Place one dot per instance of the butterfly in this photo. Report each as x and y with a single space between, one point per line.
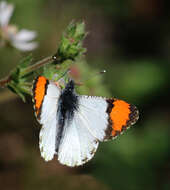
73 125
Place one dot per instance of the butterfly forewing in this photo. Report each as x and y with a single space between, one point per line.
121 116
47 116
93 111
106 118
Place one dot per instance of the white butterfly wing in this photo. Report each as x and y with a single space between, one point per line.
49 122
81 136
77 145
93 110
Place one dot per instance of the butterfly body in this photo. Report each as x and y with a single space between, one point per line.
68 103
73 125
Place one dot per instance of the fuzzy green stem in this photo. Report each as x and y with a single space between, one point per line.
37 65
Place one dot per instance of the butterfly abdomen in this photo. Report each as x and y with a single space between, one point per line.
67 105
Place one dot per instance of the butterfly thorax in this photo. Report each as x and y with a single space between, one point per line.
68 104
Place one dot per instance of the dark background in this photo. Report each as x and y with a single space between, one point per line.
131 41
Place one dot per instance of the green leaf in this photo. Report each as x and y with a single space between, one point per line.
19 77
18 72
14 88
71 43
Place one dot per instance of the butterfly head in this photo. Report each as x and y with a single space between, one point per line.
70 86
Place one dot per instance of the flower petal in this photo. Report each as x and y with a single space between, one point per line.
25 35
6 11
25 46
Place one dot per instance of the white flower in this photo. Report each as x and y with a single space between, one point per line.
22 39
6 11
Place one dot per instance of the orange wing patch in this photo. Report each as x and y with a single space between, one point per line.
122 115
119 114
39 91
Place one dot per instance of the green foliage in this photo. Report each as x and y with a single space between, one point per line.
68 51
71 42
18 78
54 72
19 72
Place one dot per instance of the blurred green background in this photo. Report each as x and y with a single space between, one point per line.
131 41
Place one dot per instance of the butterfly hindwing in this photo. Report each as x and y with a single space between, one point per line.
77 145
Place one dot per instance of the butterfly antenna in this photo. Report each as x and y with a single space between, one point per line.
92 76
65 73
